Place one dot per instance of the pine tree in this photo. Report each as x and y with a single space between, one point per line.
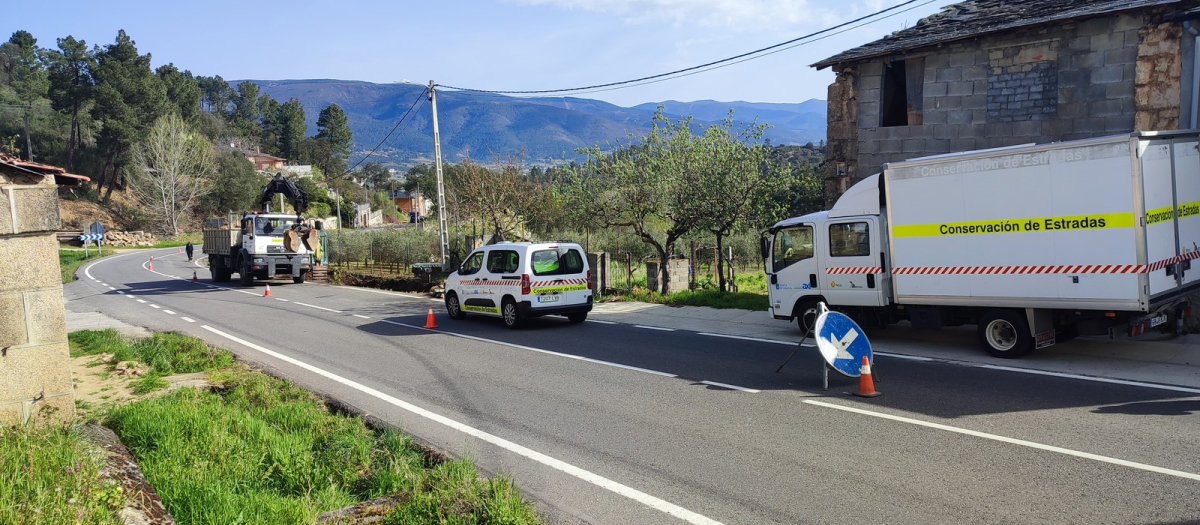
71 84
129 98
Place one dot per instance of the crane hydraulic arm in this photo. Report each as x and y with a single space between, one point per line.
282 185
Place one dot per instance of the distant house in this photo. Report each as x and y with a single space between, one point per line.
409 203
299 171
992 73
262 161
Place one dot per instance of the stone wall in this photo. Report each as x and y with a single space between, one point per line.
1067 81
35 377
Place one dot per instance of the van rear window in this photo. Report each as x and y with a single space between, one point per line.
557 262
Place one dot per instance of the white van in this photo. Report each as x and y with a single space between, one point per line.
519 280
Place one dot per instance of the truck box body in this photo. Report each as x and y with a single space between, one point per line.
219 240
1098 224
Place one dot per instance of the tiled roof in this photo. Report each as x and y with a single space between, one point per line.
36 168
978 17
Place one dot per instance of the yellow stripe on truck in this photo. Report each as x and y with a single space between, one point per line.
556 289
484 309
1028 225
1186 209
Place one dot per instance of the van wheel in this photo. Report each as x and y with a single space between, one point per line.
806 315
453 309
1005 334
577 318
512 318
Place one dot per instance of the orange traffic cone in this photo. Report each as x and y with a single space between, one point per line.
194 279
866 387
429 323
179 250
268 292
150 265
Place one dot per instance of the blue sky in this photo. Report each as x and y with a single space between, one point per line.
487 44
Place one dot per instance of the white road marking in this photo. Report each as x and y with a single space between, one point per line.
319 307
141 301
1014 441
532 349
902 356
98 282
284 300
188 319
382 292
659 328
155 306
168 312
112 288
756 339
597 321
121 292
731 387
361 316
1092 378
567 468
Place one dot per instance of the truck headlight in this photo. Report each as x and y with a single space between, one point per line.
258 259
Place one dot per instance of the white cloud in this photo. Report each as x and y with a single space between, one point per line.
737 15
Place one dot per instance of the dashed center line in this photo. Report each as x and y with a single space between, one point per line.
284 300
659 328
120 292
188 319
155 306
597 321
168 312
731 387
141 301
361 316
319 307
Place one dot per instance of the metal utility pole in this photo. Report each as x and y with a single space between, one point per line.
443 233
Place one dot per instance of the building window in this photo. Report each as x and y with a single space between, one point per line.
900 102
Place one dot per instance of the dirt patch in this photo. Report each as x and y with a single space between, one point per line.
99 384
397 284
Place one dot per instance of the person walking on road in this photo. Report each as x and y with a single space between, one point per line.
189 250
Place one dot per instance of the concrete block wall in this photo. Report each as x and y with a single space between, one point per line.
35 376
1067 81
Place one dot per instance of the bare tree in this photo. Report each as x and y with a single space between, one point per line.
171 171
505 200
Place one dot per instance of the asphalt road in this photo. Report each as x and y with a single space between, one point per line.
612 423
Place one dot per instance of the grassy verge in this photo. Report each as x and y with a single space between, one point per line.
264 451
48 476
709 298
259 450
163 354
71 260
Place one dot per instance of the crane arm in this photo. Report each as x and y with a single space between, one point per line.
289 189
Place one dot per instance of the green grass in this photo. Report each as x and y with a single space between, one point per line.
265 451
709 298
164 354
48 476
71 260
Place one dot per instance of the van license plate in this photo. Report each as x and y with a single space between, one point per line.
1155 321
547 298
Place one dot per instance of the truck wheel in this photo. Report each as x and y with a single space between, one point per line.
577 318
247 278
807 312
453 309
299 279
1005 334
512 316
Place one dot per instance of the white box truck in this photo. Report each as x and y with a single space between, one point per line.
1034 244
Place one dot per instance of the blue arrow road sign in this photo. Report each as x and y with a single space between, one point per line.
91 237
842 343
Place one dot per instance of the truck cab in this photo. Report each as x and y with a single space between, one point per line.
838 257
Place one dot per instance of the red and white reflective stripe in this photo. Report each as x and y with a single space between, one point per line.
853 270
1023 270
563 282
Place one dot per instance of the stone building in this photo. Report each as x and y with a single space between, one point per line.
992 73
35 373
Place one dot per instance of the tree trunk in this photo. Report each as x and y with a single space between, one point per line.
103 173
74 141
720 262
28 140
112 183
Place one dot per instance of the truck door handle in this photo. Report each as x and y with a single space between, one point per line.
774 279
870 280
812 280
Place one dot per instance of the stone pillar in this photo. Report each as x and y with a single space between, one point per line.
841 132
35 374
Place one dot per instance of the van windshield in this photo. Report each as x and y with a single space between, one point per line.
557 262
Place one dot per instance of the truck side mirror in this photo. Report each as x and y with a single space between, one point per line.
319 225
763 249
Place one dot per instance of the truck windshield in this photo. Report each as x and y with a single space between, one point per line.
791 246
273 226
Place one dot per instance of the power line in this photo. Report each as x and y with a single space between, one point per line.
693 68
389 135
727 64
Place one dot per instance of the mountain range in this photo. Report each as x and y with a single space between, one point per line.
545 130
